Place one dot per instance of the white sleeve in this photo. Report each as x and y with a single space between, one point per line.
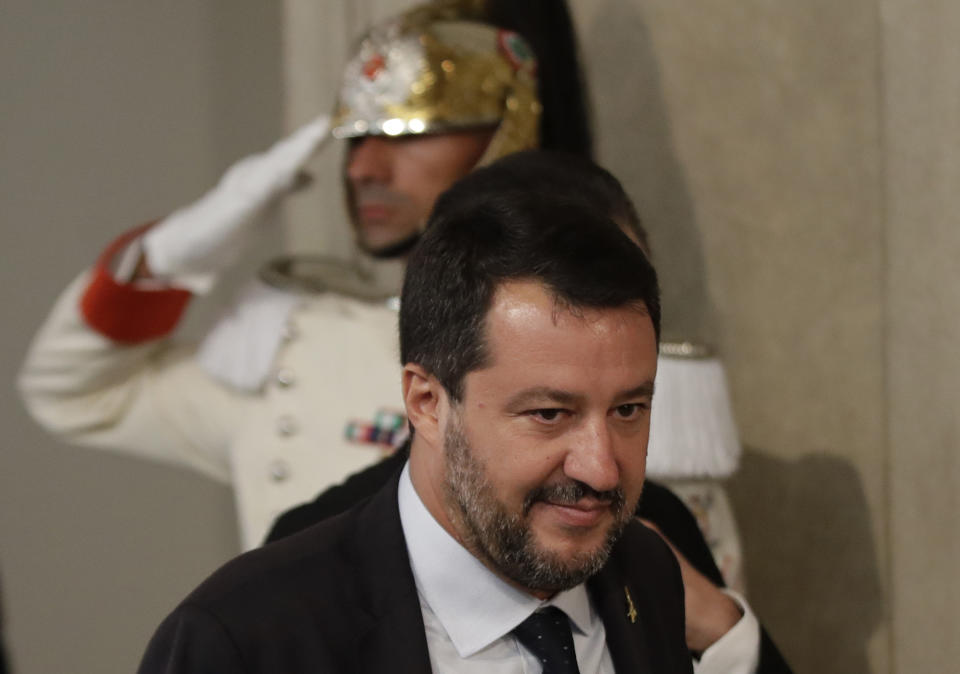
737 651
149 399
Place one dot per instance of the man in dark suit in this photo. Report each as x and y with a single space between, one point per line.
529 331
723 639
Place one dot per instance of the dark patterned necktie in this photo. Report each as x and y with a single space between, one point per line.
547 635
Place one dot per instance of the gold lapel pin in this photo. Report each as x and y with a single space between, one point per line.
631 609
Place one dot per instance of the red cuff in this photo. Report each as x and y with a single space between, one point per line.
125 312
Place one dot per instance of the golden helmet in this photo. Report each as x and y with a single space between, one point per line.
439 68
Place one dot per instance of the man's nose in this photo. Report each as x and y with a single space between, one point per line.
591 457
368 160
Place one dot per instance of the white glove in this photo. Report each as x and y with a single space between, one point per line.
194 243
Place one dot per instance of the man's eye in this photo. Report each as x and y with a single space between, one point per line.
629 410
549 414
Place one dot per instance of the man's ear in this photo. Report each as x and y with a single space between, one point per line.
424 398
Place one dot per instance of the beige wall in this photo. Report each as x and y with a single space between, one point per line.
922 326
111 113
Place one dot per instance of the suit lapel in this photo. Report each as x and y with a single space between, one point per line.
625 637
395 639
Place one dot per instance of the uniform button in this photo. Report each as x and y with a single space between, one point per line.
287 425
285 378
279 470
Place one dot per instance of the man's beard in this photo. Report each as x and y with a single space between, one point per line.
505 540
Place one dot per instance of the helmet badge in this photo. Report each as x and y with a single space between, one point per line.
374 66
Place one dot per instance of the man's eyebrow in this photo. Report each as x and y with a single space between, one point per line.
541 394
645 390
538 395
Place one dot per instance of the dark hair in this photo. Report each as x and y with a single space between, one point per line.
570 175
480 236
547 27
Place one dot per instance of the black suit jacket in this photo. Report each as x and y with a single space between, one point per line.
340 597
658 504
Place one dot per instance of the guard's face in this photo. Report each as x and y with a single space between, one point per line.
545 456
393 181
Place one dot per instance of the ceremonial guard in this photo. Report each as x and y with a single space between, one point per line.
297 386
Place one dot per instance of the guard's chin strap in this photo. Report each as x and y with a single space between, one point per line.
394 250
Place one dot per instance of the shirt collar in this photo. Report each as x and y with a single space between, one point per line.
473 605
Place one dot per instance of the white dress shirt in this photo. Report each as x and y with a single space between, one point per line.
469 613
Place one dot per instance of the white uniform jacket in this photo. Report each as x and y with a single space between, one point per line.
318 369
